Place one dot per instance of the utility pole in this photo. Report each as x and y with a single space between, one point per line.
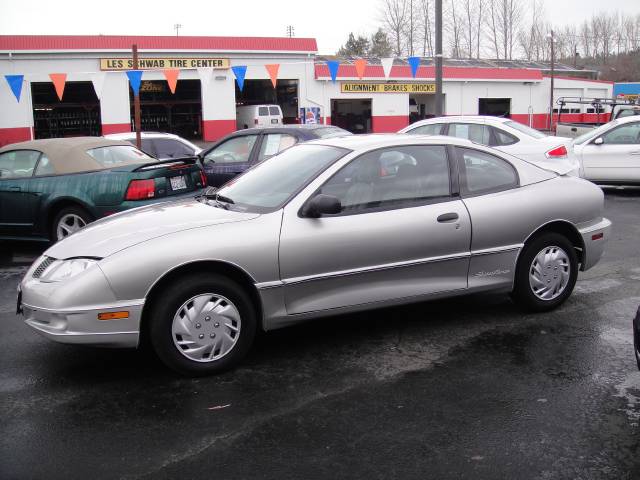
177 28
136 102
553 59
439 94
290 31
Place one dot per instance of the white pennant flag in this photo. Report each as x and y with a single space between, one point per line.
98 82
387 63
205 75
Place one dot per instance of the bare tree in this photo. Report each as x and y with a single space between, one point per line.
492 26
427 27
394 18
454 30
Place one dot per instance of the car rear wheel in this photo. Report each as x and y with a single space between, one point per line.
546 273
68 221
202 324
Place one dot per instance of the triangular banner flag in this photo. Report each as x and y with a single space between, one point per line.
333 69
273 72
205 75
15 83
414 62
58 79
98 82
240 71
387 65
361 65
135 78
171 74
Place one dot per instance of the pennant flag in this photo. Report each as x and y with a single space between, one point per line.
333 69
240 71
361 65
205 75
414 62
273 72
387 64
15 83
98 82
135 78
171 74
58 79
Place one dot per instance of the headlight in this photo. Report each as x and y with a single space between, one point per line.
65 269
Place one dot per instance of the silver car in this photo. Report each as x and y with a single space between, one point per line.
326 227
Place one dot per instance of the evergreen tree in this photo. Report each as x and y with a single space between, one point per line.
355 47
380 45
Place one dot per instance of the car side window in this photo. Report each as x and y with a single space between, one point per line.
274 143
18 163
171 148
471 131
263 111
395 177
481 172
274 110
235 150
430 129
44 167
503 138
628 134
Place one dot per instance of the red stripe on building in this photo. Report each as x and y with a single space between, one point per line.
428 72
14 135
109 128
215 129
389 124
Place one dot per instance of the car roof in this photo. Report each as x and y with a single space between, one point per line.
294 126
119 136
629 119
379 140
458 118
68 155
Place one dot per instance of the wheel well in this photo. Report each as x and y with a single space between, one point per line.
566 230
57 207
233 272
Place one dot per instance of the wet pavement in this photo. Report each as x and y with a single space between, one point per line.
467 388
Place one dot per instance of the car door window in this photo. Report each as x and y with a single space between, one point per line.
628 134
44 167
18 163
431 129
273 143
391 178
263 111
503 138
171 148
234 150
481 172
471 131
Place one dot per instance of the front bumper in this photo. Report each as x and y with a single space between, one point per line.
594 238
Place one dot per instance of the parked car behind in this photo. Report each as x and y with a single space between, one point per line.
317 230
238 151
163 146
51 188
249 116
505 135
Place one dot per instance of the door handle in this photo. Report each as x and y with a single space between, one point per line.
447 217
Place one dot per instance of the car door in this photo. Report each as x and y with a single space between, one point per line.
399 235
274 143
617 158
17 202
229 158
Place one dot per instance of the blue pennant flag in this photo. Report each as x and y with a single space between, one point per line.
333 69
414 62
240 71
15 83
135 77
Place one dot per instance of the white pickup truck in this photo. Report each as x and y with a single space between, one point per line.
619 109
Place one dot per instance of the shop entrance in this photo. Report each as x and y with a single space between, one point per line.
261 92
353 115
421 106
496 107
77 114
161 111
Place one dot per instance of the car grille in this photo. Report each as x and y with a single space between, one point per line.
43 266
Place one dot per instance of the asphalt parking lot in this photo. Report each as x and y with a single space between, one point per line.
466 388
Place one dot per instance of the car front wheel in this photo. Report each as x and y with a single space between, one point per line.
68 221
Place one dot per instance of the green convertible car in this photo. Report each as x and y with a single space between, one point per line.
51 188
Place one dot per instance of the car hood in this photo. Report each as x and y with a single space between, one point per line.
112 234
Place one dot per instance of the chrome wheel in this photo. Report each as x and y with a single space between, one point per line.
549 273
68 224
206 327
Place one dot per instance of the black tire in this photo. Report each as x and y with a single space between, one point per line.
65 212
167 305
523 293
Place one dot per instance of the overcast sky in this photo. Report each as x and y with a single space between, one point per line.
329 21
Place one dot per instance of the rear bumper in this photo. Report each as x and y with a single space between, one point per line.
594 238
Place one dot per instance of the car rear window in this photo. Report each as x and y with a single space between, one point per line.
525 129
116 155
263 111
274 110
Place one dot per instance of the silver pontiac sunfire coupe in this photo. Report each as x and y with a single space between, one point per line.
326 227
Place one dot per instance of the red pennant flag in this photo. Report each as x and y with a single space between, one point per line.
58 79
361 65
171 74
273 72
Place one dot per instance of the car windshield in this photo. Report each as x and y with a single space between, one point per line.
594 133
117 155
532 132
328 132
271 183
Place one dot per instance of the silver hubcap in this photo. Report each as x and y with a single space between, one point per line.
549 273
69 224
206 327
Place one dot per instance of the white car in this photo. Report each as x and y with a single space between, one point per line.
611 153
163 146
505 135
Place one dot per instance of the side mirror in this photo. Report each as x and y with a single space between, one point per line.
321 204
598 141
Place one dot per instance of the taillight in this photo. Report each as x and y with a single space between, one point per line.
203 178
141 190
558 152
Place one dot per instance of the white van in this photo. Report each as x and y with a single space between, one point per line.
249 116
